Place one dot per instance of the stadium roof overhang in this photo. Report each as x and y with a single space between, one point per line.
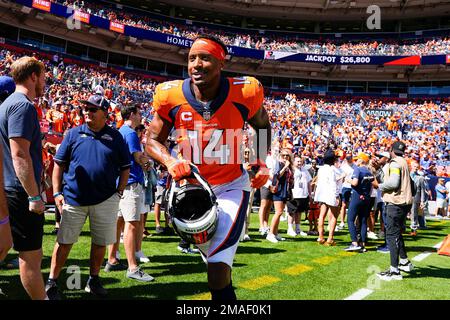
311 10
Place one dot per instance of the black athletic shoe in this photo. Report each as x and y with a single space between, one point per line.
51 288
115 267
95 287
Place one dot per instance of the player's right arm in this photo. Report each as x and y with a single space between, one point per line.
158 133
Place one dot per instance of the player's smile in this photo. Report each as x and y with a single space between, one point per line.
199 75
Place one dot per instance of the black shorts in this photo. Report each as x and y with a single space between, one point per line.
372 203
266 194
298 205
27 227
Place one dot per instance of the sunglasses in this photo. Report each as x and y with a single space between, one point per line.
91 109
285 155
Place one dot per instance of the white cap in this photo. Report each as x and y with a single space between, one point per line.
99 90
384 154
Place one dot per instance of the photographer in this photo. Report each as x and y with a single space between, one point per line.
397 194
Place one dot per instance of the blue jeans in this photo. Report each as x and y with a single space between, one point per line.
358 208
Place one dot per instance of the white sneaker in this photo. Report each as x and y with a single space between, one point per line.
264 231
271 237
291 233
407 267
342 225
283 218
301 233
279 238
197 250
141 257
372 235
246 238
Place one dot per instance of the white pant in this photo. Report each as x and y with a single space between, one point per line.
232 210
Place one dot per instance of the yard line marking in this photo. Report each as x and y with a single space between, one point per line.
437 246
421 256
297 269
259 282
202 296
346 254
360 294
324 260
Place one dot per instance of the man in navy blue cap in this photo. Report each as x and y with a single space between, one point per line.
90 159
7 87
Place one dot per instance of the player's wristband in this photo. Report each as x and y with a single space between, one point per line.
34 199
4 220
56 194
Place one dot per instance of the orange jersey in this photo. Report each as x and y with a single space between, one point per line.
39 112
119 119
59 119
211 138
76 119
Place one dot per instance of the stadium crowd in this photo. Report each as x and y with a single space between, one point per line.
271 42
422 124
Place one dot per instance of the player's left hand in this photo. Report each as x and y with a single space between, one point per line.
261 176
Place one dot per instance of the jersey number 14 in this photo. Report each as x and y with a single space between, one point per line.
212 150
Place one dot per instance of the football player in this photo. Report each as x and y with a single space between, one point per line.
208 112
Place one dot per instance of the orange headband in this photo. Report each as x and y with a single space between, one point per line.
210 47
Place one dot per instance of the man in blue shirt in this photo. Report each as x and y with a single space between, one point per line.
441 198
131 206
22 167
91 157
359 202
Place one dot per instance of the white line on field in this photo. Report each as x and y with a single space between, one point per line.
421 256
425 254
360 294
363 293
438 245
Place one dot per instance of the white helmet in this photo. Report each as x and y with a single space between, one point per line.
193 209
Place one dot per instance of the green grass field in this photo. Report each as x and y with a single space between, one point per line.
296 269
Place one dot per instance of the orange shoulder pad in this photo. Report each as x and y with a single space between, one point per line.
250 91
167 95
